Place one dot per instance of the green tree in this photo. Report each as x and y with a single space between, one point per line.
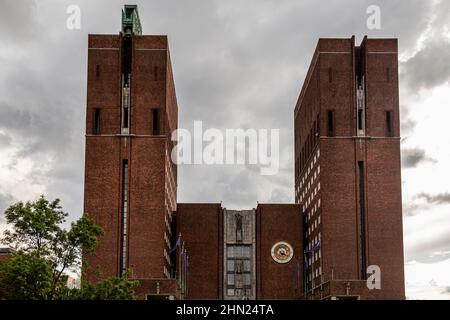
114 288
45 251
25 276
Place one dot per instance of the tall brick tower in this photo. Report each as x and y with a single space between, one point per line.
347 169
130 181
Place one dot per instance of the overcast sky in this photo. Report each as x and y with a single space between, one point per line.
237 64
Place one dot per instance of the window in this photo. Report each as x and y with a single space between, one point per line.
97 121
247 279
97 72
389 126
238 228
230 281
247 266
388 75
155 72
125 118
330 75
360 119
330 122
123 244
155 125
362 222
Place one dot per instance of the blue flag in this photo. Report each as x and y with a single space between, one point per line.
175 246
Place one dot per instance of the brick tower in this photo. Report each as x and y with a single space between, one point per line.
347 169
130 181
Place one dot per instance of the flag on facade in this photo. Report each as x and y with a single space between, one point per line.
175 246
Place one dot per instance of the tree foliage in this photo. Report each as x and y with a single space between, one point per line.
45 251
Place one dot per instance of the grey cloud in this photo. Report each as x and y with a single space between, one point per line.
412 209
440 198
5 201
425 251
411 158
236 64
280 196
407 126
18 20
429 67
5 140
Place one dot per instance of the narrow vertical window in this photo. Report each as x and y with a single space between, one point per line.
123 242
97 121
360 119
318 126
389 124
239 228
155 73
125 118
330 75
97 72
330 122
155 119
388 75
362 222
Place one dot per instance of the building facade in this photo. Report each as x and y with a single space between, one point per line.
347 214
130 181
347 166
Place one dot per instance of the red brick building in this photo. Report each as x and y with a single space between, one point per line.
347 168
205 251
130 181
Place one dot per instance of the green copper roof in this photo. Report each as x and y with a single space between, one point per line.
130 19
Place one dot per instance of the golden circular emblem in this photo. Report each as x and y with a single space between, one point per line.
282 252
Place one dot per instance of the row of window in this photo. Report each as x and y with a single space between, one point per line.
239 292
98 72
125 121
238 265
314 274
309 176
239 280
315 258
389 124
313 225
314 209
309 145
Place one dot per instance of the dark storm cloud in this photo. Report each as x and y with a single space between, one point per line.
411 158
440 198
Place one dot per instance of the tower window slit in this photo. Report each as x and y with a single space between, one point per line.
124 218
155 119
97 121
362 222
389 126
330 122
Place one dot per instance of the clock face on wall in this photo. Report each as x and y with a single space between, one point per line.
282 252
